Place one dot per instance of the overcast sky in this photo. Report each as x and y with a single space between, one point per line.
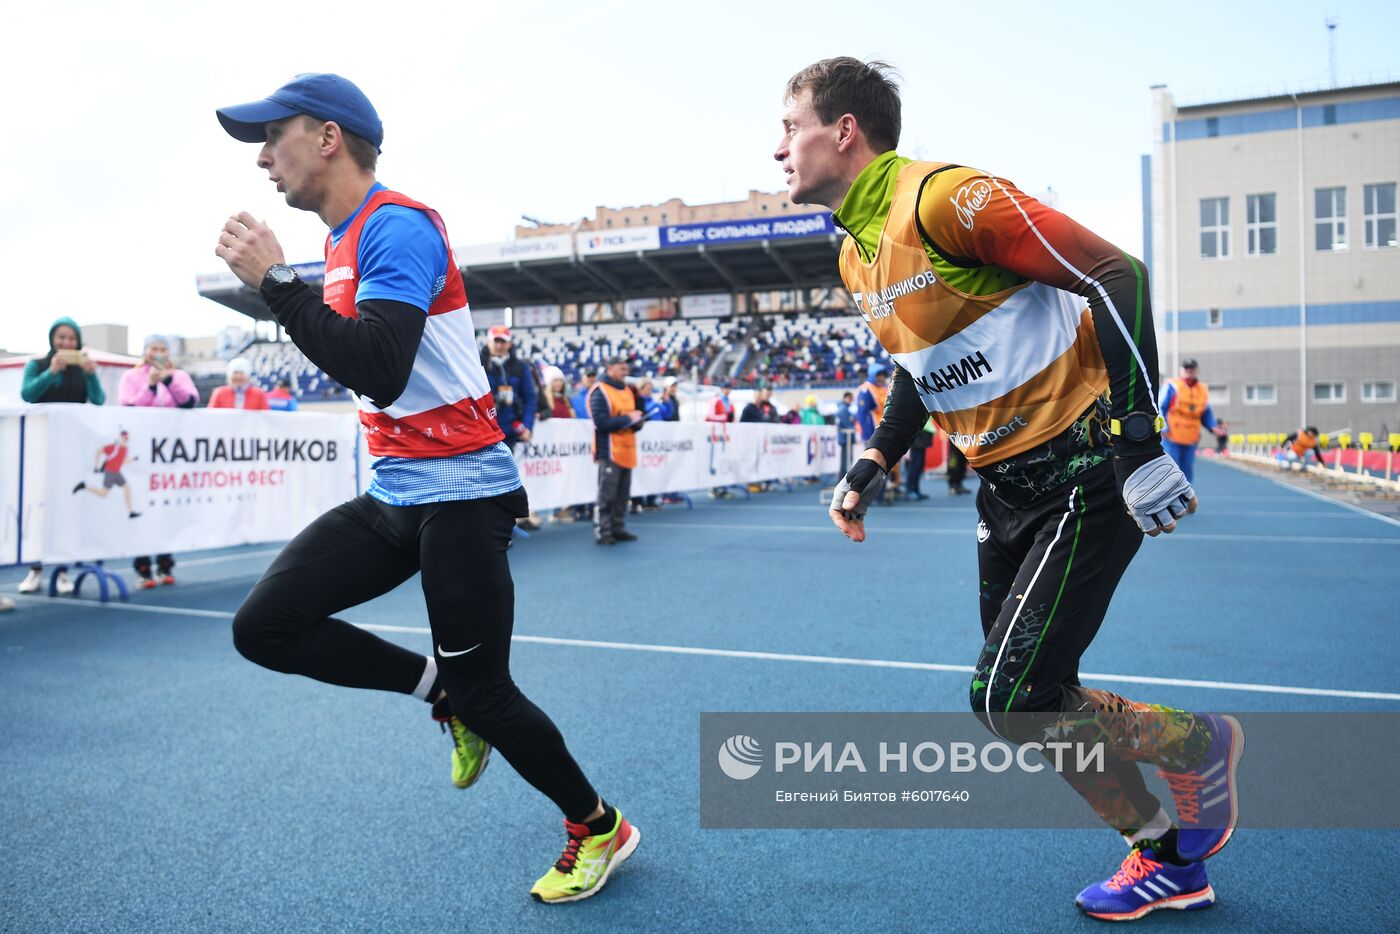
119 176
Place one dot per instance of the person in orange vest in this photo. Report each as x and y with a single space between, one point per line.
1298 445
1186 406
616 417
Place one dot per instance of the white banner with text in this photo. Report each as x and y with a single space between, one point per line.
81 482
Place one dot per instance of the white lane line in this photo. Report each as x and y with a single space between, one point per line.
880 530
1317 496
963 515
935 511
807 659
219 559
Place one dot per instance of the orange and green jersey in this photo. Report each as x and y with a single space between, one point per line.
1008 321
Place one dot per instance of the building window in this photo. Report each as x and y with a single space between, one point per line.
1261 224
1215 318
1381 390
1328 393
1380 216
1219 393
1215 228
1330 211
1260 394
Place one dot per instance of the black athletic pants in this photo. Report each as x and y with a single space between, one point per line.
365 548
1047 573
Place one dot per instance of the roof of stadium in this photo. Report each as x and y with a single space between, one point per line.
733 257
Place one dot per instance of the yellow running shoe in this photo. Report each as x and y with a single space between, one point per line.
587 861
470 753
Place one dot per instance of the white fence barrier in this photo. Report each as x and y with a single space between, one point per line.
72 475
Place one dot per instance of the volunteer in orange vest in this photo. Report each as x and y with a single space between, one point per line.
1186 405
616 417
1298 445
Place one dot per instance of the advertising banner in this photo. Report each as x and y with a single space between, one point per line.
755 228
550 246
124 481
626 240
558 468
102 481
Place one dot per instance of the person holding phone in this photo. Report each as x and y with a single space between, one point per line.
64 374
157 383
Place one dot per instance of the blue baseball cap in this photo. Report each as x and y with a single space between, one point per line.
323 96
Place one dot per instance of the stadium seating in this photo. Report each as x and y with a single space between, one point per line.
803 349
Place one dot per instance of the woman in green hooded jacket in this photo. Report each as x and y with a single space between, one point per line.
64 374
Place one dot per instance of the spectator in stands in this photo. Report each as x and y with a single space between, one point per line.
512 384
156 382
240 392
616 416
64 374
761 409
580 398
554 401
723 409
845 411
653 411
281 398
870 402
647 401
811 414
870 408
670 399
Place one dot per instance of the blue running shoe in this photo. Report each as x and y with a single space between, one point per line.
1207 805
1143 884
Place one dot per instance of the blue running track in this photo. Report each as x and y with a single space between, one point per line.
152 780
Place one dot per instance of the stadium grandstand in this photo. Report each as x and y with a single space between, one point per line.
745 290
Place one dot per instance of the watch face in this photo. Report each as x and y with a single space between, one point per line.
282 274
1137 427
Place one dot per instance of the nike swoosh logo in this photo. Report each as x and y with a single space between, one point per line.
446 654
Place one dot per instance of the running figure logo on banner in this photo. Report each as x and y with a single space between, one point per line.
108 463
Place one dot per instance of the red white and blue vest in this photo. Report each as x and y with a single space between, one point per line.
447 407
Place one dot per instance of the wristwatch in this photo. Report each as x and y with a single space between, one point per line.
1137 426
277 278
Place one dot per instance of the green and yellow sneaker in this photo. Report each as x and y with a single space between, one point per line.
587 861
470 753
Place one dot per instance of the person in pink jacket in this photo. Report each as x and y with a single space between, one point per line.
155 381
